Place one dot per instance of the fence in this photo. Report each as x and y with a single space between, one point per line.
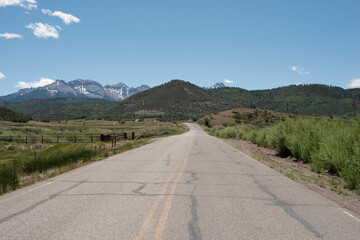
67 138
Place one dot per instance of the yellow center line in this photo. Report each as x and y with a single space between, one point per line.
165 213
149 221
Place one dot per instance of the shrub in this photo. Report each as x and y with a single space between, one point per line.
207 122
8 178
231 132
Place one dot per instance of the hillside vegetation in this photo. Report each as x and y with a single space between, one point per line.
60 108
11 116
176 98
312 99
179 100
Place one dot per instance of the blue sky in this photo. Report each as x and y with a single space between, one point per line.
253 44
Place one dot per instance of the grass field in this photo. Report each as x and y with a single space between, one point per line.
22 164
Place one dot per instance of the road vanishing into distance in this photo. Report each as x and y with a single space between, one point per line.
190 186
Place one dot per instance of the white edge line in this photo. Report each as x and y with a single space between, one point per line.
349 214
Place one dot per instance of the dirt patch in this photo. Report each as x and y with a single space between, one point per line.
259 116
327 185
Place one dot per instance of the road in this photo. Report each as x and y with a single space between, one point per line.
190 186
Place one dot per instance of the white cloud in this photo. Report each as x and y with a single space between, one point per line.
27 4
228 81
42 82
65 17
2 76
46 11
299 70
42 30
10 35
354 83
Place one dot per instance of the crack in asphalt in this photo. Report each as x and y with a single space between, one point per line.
32 207
194 229
168 159
138 190
243 164
221 149
193 176
197 153
287 209
235 161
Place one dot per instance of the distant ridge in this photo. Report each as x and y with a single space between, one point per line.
78 88
60 108
183 99
176 96
307 99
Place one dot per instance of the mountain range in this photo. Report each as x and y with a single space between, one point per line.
76 89
177 99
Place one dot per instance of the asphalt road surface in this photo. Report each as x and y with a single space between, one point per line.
191 186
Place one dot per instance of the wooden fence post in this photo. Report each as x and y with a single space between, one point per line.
132 135
125 136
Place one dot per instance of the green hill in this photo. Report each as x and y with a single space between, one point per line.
175 97
312 99
181 100
60 108
11 116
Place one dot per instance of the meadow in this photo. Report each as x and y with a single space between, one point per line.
24 163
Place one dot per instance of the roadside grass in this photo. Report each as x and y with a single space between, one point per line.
329 145
23 164
295 173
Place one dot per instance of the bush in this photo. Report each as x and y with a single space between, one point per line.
231 132
8 178
57 159
207 122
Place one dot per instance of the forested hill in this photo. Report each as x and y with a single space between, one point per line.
176 96
11 116
311 99
60 108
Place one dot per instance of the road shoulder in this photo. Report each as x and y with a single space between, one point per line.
325 184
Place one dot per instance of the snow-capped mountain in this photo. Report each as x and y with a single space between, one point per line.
217 85
76 88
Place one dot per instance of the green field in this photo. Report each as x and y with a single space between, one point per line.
25 163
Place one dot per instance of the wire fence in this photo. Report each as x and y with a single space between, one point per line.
89 138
